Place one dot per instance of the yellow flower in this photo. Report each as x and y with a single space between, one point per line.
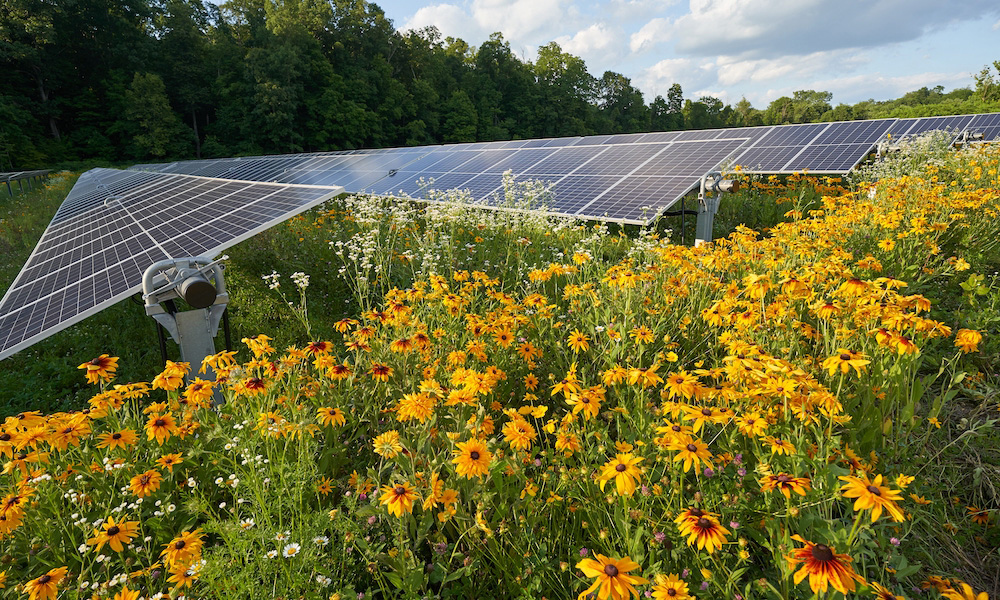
101 368
387 444
611 577
45 587
578 341
624 470
843 360
872 494
398 498
968 340
472 458
114 534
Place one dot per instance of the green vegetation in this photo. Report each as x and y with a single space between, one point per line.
516 401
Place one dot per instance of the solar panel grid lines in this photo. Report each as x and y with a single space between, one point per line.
74 273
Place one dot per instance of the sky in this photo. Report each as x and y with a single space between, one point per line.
758 49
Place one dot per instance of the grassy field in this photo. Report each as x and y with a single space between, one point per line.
458 403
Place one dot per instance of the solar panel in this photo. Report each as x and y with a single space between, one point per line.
94 253
988 125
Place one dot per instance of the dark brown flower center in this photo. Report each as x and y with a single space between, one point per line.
707 412
180 545
845 357
676 428
116 436
704 523
610 570
874 490
68 430
96 362
671 592
159 423
620 468
783 478
44 579
5 437
692 448
114 530
474 455
695 512
822 553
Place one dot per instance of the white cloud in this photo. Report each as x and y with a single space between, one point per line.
650 35
996 26
774 28
732 70
587 41
519 19
451 20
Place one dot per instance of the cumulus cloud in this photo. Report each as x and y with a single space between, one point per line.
585 42
519 19
775 28
450 19
650 35
733 70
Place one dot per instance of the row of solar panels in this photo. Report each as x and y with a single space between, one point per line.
114 224
626 178
81 266
16 175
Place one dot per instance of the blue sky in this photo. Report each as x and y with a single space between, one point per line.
760 49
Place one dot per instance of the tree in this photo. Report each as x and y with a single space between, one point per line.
621 104
156 130
459 118
987 84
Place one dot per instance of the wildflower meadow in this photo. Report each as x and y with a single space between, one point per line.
523 406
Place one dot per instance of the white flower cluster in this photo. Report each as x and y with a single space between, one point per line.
272 280
301 280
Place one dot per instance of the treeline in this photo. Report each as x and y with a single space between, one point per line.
138 80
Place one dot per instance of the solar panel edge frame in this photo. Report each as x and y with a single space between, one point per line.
334 191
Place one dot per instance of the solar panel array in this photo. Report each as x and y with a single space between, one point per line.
629 178
115 224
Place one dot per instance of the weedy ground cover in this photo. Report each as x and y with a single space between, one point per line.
526 407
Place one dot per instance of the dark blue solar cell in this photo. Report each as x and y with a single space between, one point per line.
951 123
688 159
564 160
619 159
855 132
560 142
625 138
486 161
766 160
700 134
573 192
520 162
791 135
639 199
836 158
988 125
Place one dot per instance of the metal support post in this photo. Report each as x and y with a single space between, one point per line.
190 279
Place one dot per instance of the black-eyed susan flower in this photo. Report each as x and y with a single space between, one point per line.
46 586
670 587
785 483
416 407
387 444
472 458
578 341
169 461
624 470
968 340
184 575
824 567
183 549
706 532
115 534
101 368
844 360
380 372
963 592
398 498
692 451
146 483
160 427
872 494
519 434
331 417
883 593
126 594
611 577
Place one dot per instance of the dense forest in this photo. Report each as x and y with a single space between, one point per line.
110 81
